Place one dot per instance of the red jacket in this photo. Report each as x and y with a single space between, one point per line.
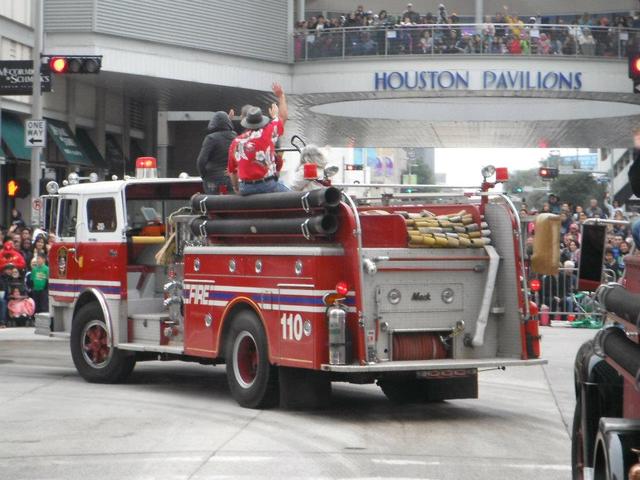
10 256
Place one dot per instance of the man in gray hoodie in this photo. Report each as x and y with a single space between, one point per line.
212 160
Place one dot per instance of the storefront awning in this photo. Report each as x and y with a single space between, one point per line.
13 137
85 142
67 144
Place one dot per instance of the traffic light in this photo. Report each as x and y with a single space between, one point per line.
75 63
18 188
352 167
547 173
517 190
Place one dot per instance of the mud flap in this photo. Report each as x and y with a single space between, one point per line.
302 389
451 388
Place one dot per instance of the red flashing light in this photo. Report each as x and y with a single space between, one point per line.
535 285
310 171
634 67
146 162
58 64
342 288
502 175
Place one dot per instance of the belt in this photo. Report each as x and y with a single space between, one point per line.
262 180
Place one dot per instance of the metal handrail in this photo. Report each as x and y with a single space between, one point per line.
612 47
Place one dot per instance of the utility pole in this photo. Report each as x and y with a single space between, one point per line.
36 106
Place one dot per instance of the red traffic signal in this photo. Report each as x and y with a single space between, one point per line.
58 64
634 67
548 172
352 166
75 63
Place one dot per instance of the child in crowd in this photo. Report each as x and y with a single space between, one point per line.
20 306
40 283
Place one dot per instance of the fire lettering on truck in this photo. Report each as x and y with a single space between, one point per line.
199 294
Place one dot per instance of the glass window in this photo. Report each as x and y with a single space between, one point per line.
68 217
101 214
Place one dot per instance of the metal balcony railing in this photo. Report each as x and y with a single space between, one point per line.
464 39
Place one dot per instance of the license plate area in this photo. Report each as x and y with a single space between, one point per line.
445 374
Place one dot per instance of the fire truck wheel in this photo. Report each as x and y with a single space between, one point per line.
94 359
404 391
577 454
252 380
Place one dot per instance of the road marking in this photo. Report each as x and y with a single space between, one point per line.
239 458
386 461
481 463
536 466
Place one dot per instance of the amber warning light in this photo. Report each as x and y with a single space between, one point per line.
146 167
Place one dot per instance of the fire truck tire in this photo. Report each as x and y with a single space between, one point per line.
94 359
302 389
253 381
577 454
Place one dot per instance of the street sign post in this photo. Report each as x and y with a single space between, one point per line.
16 77
35 133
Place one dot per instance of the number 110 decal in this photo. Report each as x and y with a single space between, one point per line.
291 326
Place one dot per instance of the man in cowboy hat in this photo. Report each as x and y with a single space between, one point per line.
252 165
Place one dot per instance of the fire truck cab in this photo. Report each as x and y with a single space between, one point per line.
291 291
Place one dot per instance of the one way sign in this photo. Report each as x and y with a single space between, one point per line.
35 133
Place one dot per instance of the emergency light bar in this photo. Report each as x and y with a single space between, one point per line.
146 167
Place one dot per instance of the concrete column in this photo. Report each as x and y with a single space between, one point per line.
71 104
149 129
300 10
101 121
126 133
479 11
163 143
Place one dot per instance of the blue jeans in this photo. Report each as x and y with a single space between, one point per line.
635 233
269 186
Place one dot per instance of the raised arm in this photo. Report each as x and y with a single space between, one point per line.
283 111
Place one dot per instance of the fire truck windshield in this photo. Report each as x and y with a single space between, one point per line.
151 204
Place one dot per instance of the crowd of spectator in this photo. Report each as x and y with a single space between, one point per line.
558 292
413 32
618 241
24 272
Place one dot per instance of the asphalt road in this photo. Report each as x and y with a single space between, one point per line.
178 421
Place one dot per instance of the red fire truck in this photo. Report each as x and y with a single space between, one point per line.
292 291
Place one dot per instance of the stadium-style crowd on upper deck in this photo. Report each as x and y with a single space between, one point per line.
363 32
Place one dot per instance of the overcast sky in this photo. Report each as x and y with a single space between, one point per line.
463 165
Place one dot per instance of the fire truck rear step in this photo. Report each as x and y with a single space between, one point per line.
444 364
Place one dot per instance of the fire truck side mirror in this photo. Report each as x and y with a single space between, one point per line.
592 248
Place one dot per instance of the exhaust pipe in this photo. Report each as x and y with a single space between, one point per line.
307 201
